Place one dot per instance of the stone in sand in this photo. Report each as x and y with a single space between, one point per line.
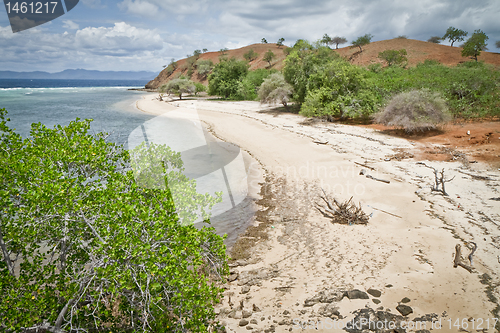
357 294
406 300
246 313
243 322
374 292
404 309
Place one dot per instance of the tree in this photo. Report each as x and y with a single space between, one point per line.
199 87
327 40
435 39
497 44
280 42
338 40
362 41
269 56
178 87
475 44
394 57
275 89
226 77
197 53
205 50
455 35
263 41
250 55
86 248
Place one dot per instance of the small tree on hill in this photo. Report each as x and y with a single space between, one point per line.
394 57
205 50
338 40
455 35
327 40
269 56
179 86
275 89
250 55
475 44
362 41
435 39
280 42
263 41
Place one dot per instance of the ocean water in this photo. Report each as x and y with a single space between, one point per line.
112 107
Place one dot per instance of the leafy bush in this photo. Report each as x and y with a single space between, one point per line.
275 89
225 79
250 55
179 86
339 89
99 252
394 57
416 110
199 87
250 84
204 67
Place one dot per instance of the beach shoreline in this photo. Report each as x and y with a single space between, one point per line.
399 266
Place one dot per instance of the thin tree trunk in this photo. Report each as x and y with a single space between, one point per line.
6 256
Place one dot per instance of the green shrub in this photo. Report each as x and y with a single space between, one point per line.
416 110
250 84
225 79
204 67
275 89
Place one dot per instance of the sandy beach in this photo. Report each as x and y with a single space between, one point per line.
295 270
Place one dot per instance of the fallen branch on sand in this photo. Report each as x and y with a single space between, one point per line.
344 213
366 166
439 179
320 143
459 260
363 172
383 211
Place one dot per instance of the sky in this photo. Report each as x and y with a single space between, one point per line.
136 35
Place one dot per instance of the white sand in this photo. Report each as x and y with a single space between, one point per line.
308 253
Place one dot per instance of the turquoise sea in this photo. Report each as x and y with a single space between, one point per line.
111 105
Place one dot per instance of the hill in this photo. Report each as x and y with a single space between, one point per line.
257 63
418 51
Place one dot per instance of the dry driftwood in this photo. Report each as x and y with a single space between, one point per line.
439 180
320 143
366 166
344 213
363 172
458 261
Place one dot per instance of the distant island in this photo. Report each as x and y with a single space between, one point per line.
80 74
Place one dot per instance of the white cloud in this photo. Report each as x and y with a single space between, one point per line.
164 7
118 40
68 24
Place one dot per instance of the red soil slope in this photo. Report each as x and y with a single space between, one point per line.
417 50
261 49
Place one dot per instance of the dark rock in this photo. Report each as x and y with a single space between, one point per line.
284 322
255 276
232 277
243 322
263 318
374 292
255 308
254 321
423 331
249 327
406 300
286 312
404 309
357 294
375 300
325 296
389 286
330 311
245 289
246 313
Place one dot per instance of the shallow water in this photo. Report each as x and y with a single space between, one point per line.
113 111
